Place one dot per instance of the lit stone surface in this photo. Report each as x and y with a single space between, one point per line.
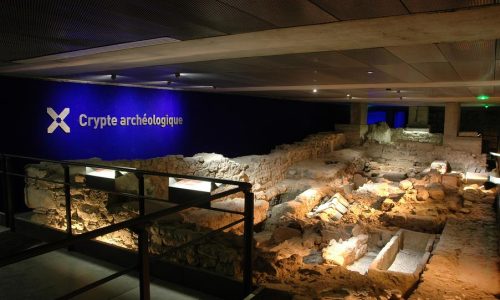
314 205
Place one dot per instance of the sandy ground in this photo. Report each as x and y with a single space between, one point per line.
465 263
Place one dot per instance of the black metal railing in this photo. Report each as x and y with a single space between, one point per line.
137 224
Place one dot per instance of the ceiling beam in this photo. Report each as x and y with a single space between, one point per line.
358 86
462 25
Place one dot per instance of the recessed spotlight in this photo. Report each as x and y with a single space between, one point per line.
370 72
348 95
315 90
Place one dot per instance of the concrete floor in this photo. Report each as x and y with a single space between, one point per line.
57 273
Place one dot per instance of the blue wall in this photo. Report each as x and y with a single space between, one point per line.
375 117
227 124
394 116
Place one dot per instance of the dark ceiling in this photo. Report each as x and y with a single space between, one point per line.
41 27
36 28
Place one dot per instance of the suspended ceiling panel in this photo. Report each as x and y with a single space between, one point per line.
403 72
469 51
418 53
361 9
416 6
36 28
40 27
437 71
373 56
475 70
216 15
283 13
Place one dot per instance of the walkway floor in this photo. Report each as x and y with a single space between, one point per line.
57 273
465 263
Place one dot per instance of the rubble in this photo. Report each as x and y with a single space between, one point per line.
344 253
327 220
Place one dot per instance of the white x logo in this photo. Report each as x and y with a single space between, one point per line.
58 120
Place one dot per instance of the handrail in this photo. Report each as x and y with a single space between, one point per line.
132 170
137 224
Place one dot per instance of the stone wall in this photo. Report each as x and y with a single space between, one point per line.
383 134
91 209
262 171
424 154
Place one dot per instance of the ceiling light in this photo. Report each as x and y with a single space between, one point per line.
486 106
315 90
483 97
348 95
370 72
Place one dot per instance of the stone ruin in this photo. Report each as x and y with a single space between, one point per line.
330 221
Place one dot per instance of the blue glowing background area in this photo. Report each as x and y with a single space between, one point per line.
231 125
399 119
376 117
110 142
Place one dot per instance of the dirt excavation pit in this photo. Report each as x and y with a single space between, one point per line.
331 222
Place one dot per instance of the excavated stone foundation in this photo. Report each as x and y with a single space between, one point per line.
330 222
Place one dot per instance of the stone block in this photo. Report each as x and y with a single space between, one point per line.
344 253
281 234
436 191
450 181
405 185
441 166
39 198
422 194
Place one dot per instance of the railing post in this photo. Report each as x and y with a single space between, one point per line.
4 188
248 243
140 193
7 195
144 280
67 200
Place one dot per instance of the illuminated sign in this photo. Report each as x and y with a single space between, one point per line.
137 120
58 120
